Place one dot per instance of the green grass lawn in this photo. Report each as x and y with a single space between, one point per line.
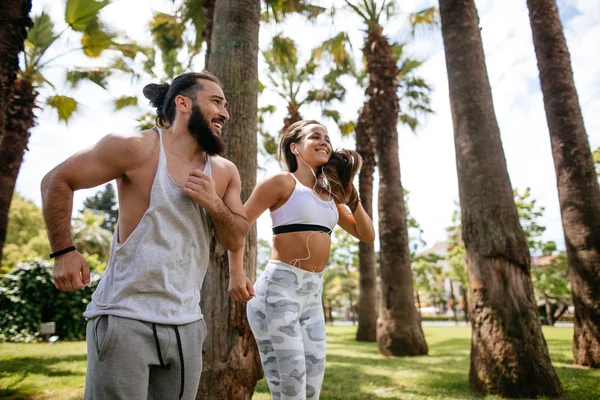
354 370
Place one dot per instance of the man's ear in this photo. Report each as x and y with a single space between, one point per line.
182 103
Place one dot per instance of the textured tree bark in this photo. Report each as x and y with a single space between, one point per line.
399 330
231 361
367 265
509 355
209 14
19 119
578 190
292 116
14 21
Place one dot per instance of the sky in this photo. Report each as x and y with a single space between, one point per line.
428 166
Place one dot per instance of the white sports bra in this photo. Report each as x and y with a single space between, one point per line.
305 211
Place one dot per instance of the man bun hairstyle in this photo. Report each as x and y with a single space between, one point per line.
162 95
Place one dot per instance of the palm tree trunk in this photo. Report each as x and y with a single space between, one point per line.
367 284
453 302
19 120
466 302
14 21
399 330
578 190
549 313
509 355
209 13
231 361
292 116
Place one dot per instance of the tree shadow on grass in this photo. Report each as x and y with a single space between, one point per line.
17 369
43 366
344 382
435 376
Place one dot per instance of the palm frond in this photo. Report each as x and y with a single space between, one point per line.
129 50
167 31
277 10
120 64
409 65
37 77
145 121
41 35
95 43
84 15
39 38
333 114
346 128
283 51
65 106
193 11
125 101
360 10
150 61
99 76
428 18
261 86
388 8
412 122
339 48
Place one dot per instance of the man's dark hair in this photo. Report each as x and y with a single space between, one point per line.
162 96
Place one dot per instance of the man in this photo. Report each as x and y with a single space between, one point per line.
145 328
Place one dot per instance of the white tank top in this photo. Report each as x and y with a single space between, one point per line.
304 210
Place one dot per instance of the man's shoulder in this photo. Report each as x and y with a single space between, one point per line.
221 163
134 145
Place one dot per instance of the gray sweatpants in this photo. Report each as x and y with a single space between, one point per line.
136 360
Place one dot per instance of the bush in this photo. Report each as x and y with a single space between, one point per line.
28 297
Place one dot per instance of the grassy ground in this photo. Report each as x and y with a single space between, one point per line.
355 371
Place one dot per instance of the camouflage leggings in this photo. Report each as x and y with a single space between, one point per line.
286 317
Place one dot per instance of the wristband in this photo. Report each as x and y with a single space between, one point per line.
63 251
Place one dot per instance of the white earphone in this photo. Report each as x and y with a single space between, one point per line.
296 150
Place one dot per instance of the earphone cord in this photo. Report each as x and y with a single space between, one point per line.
297 261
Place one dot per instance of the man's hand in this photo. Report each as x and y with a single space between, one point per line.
201 188
71 272
240 288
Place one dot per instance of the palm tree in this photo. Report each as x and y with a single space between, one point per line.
399 327
295 82
578 190
367 263
14 22
231 362
509 355
82 18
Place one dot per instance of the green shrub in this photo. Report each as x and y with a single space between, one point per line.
28 297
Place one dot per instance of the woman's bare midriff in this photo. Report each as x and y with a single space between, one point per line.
291 248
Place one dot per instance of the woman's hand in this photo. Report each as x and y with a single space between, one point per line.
240 288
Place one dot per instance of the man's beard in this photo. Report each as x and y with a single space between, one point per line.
199 128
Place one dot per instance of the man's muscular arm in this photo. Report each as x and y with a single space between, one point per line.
105 161
227 214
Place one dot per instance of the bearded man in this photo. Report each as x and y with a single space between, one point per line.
145 328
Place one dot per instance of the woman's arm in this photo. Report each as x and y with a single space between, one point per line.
358 224
266 194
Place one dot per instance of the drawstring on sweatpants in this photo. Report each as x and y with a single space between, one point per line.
179 348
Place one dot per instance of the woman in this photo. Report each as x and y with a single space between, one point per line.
286 315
